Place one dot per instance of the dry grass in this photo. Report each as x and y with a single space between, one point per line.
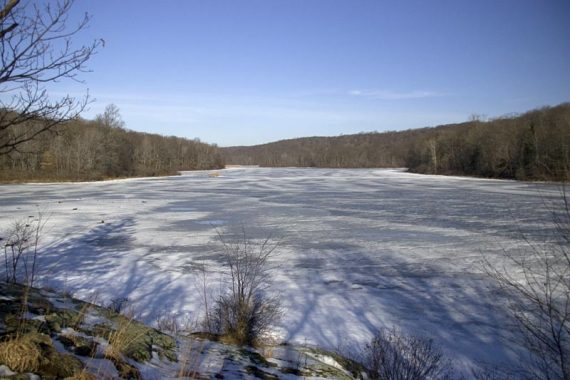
21 354
120 342
121 339
189 359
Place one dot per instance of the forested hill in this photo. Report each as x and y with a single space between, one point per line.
534 145
102 149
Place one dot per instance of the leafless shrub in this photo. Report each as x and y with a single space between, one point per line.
21 250
207 295
536 281
172 324
244 311
392 355
168 323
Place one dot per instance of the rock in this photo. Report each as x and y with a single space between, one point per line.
54 322
57 366
126 371
79 345
15 324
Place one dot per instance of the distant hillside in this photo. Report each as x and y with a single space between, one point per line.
101 149
534 145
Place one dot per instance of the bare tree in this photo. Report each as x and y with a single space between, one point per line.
36 49
536 281
111 117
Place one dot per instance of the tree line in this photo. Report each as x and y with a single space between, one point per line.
102 148
534 145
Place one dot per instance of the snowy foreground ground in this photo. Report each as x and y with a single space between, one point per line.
360 249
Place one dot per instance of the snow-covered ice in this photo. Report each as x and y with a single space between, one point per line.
360 249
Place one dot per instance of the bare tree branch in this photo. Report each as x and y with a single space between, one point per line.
36 49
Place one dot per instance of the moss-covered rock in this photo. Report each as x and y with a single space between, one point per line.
129 340
78 345
54 322
69 318
15 324
38 305
60 366
126 371
256 358
29 341
259 373
101 330
292 371
356 369
137 341
165 345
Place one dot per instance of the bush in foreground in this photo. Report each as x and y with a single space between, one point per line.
244 311
392 355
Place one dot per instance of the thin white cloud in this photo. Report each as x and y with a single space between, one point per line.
394 95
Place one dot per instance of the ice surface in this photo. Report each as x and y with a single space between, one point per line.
360 249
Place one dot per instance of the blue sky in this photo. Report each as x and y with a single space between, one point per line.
253 71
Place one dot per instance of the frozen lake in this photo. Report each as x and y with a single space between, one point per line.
360 249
